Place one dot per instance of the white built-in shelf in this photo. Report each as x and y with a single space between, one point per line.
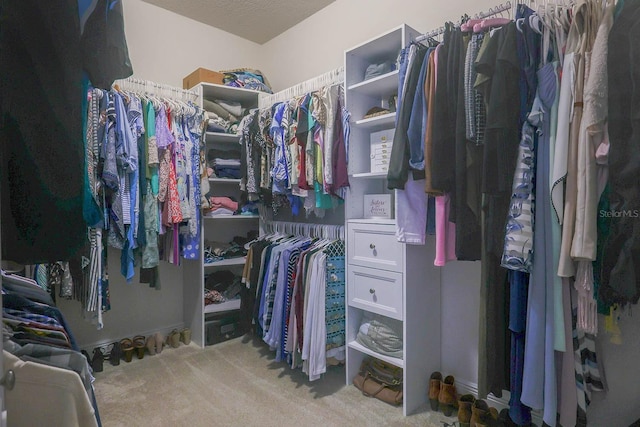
370 175
381 121
234 304
230 217
385 46
222 137
226 262
224 180
381 85
213 91
362 349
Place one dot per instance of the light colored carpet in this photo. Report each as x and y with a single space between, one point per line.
237 383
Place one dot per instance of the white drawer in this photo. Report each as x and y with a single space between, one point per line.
379 168
378 291
375 245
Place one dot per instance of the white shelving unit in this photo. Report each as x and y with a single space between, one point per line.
219 228
384 276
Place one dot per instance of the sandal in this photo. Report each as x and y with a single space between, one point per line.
151 344
174 339
127 349
139 343
116 354
185 336
159 342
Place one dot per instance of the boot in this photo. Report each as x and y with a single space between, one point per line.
434 389
479 411
448 398
464 409
97 362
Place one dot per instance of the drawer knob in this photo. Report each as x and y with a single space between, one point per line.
372 291
372 246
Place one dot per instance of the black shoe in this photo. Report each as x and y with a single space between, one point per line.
97 362
116 354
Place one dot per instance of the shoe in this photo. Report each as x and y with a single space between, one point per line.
464 409
139 343
97 361
482 415
448 398
434 389
504 419
116 354
174 339
127 349
151 344
185 336
159 338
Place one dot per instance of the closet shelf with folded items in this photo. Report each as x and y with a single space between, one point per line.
229 221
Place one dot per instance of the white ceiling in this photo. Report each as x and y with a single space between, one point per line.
255 20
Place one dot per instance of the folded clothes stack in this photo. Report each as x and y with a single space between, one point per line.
247 78
225 163
249 208
227 168
224 116
221 206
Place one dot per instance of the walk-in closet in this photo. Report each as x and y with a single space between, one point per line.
325 213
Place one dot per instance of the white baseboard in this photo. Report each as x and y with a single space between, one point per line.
106 342
465 387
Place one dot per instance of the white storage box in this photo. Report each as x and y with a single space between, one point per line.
380 148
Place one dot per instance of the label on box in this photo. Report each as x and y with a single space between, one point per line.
377 206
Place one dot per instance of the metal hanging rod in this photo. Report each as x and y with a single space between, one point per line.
327 79
305 229
502 7
145 86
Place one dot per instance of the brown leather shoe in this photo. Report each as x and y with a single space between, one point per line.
448 398
479 411
434 389
482 415
464 409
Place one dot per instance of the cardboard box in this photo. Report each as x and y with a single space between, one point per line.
202 75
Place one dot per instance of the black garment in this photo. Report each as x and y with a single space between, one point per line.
399 162
41 140
444 125
499 62
465 208
248 292
104 47
621 254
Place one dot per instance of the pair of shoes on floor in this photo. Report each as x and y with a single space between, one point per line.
175 337
442 393
474 412
155 343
